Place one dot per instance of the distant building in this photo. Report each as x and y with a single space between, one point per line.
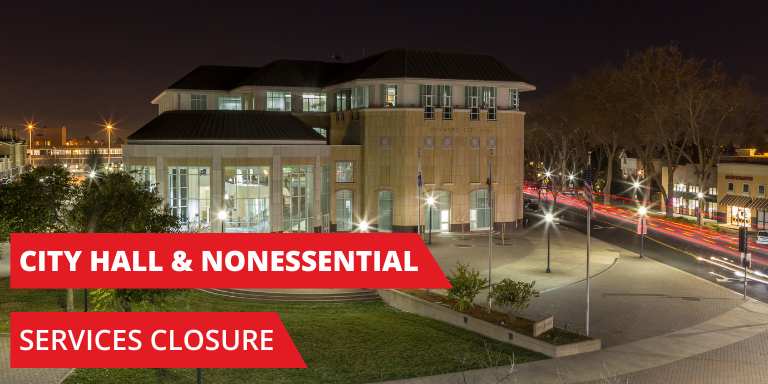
52 147
741 185
13 154
685 196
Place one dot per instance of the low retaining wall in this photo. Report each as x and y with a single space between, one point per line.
425 308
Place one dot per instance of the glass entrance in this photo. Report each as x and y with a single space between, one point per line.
762 219
440 214
479 210
298 201
385 211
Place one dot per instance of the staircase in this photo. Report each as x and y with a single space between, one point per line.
297 295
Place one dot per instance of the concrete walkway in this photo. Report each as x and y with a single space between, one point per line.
5 262
743 322
26 375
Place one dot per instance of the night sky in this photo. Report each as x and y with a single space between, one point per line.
78 63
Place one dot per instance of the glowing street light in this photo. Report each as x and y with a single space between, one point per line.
548 218
363 226
109 144
637 185
93 174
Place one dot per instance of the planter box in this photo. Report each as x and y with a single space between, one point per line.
425 308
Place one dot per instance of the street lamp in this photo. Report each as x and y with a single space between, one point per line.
30 128
93 174
431 202
548 218
641 228
109 144
700 196
222 217
363 226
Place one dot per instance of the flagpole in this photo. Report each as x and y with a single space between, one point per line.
490 230
589 227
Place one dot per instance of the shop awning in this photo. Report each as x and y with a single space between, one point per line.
736 201
710 198
678 194
759 204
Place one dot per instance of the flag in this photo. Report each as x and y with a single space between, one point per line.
588 197
490 186
419 170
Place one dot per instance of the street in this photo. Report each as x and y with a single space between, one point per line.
670 243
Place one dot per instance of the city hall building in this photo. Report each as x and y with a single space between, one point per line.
310 146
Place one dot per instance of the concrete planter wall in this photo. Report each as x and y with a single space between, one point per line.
425 308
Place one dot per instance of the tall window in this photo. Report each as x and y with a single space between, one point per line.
246 199
189 194
278 101
389 95
360 97
439 219
479 210
343 100
298 193
472 101
428 101
231 102
730 187
445 98
145 175
344 210
489 101
514 99
345 172
745 188
385 211
197 102
325 198
314 102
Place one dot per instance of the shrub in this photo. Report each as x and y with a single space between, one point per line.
466 285
513 296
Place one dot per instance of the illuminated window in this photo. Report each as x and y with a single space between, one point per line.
345 172
278 101
145 175
189 193
444 99
314 102
360 97
246 199
298 201
343 100
344 210
389 95
385 211
230 103
325 198
197 102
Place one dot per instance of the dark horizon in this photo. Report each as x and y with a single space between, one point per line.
79 65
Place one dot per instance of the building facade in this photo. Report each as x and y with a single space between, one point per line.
685 196
13 155
741 182
307 146
52 147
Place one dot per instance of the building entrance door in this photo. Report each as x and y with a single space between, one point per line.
762 219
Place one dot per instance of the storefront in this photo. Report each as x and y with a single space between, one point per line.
737 210
760 206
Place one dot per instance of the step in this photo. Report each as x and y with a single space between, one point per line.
272 297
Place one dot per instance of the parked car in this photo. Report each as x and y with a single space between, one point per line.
762 237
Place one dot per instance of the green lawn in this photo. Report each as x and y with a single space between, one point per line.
340 343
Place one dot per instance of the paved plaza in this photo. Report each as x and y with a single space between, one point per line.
657 324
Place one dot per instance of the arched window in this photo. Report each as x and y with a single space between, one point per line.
437 217
479 210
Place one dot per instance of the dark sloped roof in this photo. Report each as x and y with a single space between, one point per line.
226 125
397 63
293 73
213 77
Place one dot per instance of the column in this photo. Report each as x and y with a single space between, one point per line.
217 195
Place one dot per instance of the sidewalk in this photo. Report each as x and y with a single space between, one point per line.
5 262
657 324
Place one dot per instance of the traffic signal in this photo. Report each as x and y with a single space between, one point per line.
743 239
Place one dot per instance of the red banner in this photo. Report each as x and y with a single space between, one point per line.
165 260
151 340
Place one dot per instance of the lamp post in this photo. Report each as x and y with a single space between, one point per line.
29 146
641 228
548 218
700 196
109 145
431 202
222 217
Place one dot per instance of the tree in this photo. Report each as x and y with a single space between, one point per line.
37 203
466 284
116 203
94 160
513 296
